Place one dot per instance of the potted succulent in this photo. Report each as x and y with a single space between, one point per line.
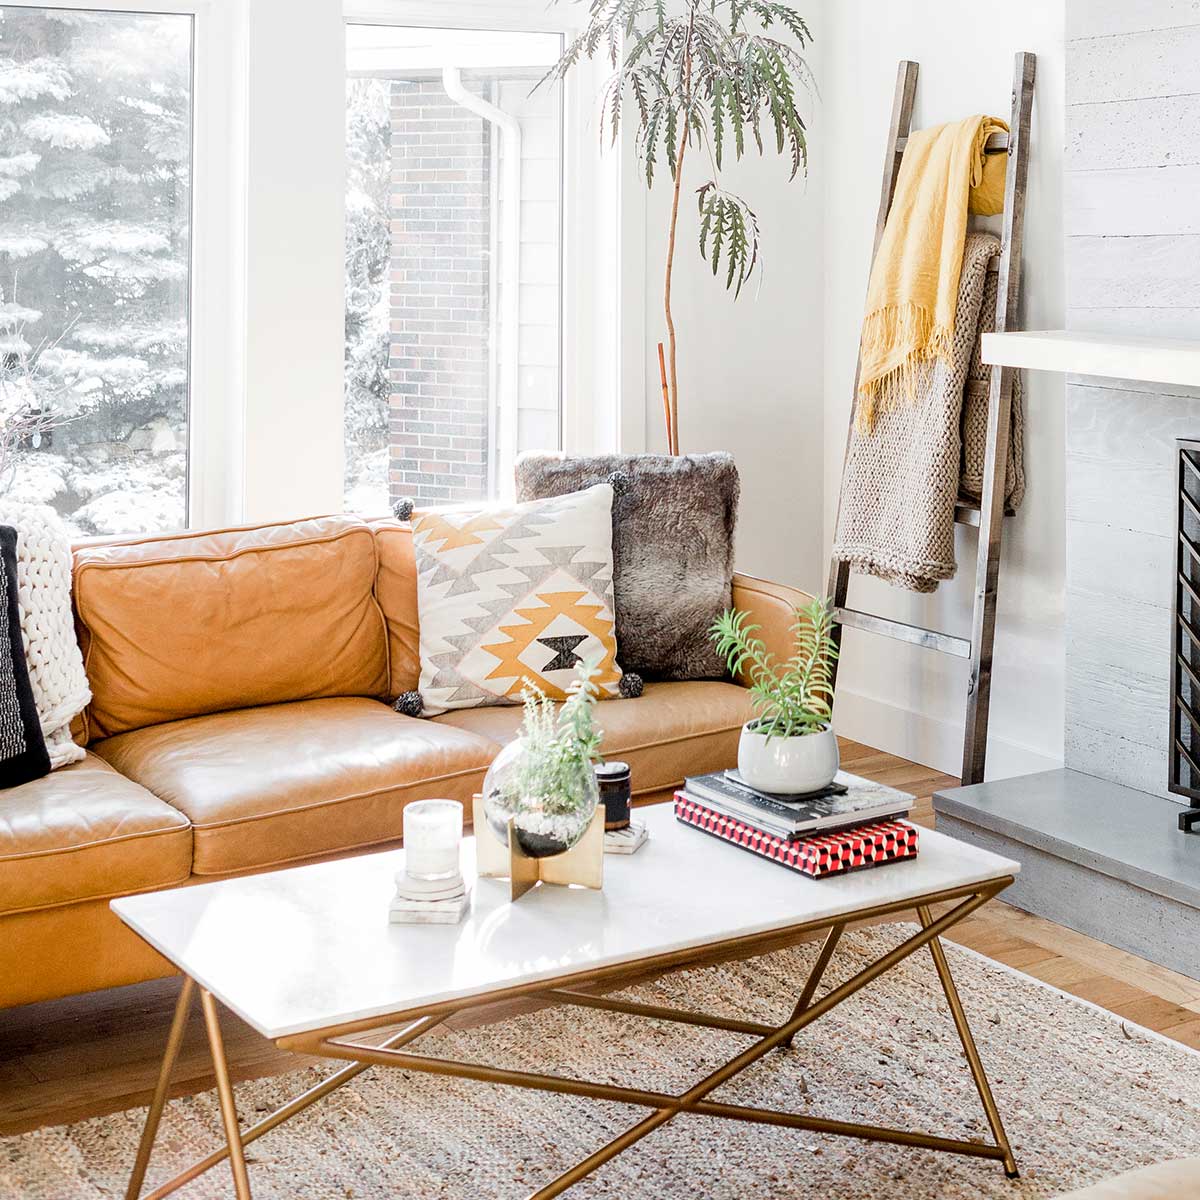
545 781
790 747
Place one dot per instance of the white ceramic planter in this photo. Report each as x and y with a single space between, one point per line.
788 764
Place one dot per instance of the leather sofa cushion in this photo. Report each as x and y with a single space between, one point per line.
83 832
671 730
174 627
396 591
278 784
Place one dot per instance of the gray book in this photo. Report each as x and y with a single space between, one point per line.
861 802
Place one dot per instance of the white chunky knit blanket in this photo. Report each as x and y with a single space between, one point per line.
60 686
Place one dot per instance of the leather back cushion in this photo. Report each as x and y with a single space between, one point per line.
396 589
177 626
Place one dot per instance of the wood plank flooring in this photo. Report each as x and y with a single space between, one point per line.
89 1055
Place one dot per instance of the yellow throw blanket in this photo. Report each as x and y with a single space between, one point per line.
913 292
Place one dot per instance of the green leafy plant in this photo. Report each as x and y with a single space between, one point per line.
710 74
794 697
561 743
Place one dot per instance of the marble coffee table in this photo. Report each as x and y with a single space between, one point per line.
308 958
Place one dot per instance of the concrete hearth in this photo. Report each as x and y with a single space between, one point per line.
1098 857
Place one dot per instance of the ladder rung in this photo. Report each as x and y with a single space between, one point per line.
997 141
966 512
931 639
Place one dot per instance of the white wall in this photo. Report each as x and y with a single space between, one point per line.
890 695
750 370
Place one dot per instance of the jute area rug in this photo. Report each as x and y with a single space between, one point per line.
1083 1094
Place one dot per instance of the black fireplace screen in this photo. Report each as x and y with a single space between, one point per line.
1185 659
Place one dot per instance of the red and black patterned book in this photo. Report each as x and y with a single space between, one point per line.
872 845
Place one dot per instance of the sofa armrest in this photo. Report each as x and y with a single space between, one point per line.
772 607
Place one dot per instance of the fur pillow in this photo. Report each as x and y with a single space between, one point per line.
673 525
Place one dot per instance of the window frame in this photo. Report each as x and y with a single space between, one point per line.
601 305
266 338
214 464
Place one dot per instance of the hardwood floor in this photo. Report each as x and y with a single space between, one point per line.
89 1055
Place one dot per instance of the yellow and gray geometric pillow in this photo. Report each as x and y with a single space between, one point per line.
506 594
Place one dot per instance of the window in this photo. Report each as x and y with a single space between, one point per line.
95 204
453 261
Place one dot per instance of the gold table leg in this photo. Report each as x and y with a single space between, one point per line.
154 1115
229 1117
969 1048
284 1113
816 974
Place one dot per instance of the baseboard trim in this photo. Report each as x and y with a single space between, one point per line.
927 740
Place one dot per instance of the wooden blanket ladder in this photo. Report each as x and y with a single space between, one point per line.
988 514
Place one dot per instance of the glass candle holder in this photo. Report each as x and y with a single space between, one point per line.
614 781
432 839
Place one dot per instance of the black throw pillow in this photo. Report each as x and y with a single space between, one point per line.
23 755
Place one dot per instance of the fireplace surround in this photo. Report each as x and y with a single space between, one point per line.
1184 752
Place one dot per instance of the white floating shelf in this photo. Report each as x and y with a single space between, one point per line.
1152 360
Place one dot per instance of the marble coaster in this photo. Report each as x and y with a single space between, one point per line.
429 902
625 841
408 888
405 911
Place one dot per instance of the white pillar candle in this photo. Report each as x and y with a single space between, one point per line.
432 838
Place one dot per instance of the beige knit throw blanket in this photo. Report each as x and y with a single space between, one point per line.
903 477
56 670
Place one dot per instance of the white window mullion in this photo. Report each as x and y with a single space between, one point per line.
218 269
294 311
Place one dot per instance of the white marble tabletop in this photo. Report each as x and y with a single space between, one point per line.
303 949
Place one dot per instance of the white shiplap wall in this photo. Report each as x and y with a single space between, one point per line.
1132 224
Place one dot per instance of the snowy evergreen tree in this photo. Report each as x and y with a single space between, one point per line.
368 261
95 131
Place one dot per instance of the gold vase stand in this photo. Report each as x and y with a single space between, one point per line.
581 866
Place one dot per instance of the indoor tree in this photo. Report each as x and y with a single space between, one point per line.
716 75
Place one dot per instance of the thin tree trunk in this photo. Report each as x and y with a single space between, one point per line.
674 381
683 140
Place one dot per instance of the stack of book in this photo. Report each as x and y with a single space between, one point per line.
850 825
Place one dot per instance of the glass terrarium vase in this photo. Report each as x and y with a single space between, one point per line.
551 801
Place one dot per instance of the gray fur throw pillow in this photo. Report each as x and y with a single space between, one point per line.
673 523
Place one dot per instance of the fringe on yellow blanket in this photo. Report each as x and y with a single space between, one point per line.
911 300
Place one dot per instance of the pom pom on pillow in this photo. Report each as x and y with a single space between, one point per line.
620 482
404 508
631 685
409 704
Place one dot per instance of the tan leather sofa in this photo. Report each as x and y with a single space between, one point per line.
240 722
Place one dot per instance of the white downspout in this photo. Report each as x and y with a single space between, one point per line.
505 449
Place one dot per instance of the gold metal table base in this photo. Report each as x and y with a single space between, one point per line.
338 1042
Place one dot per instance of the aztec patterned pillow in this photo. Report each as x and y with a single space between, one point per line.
506 594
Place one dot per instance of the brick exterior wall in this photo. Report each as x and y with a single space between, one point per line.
438 412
